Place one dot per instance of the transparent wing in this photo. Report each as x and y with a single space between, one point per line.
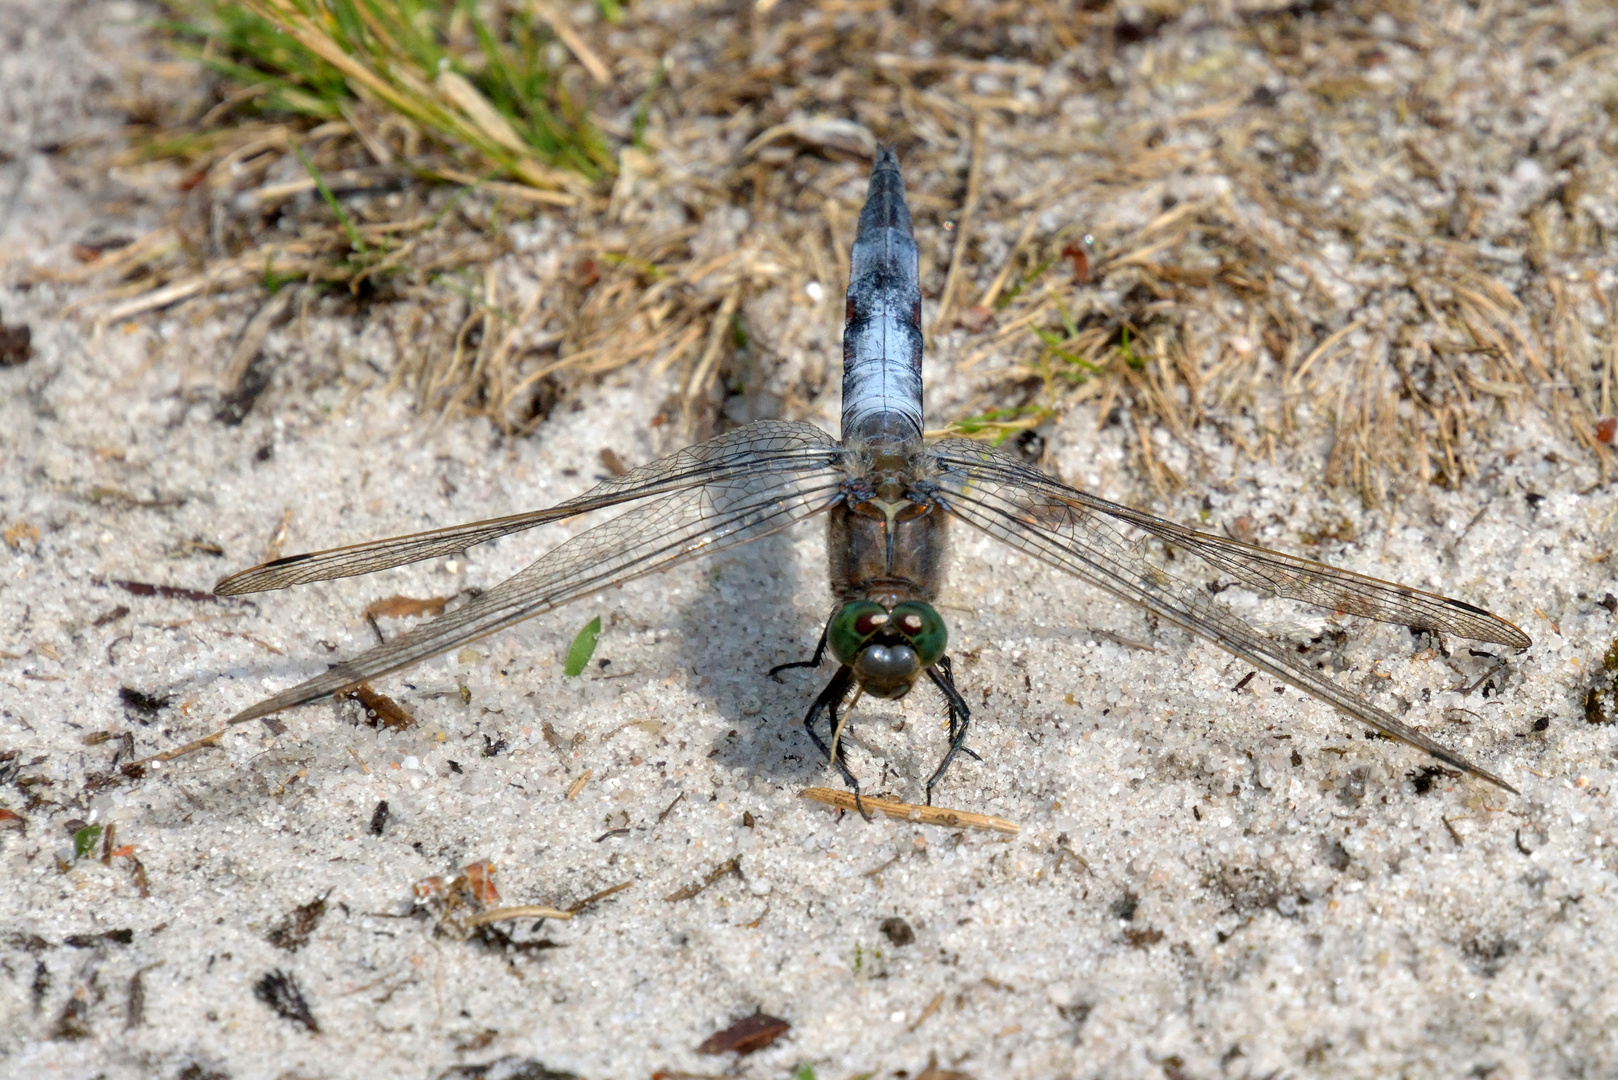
672 528
1272 572
765 448
1070 530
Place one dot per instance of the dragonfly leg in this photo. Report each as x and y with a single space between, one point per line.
960 718
829 701
812 662
949 676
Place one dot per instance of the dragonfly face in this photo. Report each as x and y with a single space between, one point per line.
888 497
887 649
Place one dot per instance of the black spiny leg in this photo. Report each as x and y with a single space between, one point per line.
829 701
812 662
949 675
960 717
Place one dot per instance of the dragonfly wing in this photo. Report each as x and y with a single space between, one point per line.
764 448
1088 542
677 526
1272 572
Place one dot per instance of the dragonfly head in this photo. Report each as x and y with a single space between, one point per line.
888 649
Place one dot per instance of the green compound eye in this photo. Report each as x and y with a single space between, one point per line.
922 627
853 626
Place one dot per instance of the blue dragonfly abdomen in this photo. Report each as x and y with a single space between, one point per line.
882 340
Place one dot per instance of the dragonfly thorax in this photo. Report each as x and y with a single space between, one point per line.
887 648
886 542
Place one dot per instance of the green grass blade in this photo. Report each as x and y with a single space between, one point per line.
643 106
583 647
354 238
404 44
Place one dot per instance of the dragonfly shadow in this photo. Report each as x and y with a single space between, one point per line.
742 622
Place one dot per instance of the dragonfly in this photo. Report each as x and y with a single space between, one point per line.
890 500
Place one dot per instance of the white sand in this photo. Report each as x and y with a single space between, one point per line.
1207 882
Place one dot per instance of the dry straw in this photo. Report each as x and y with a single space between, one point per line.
1336 222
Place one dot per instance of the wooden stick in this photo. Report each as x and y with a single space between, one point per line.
521 911
921 815
180 751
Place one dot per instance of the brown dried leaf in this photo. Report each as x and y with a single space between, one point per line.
749 1034
294 931
399 607
379 708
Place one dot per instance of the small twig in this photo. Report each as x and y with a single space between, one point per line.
576 45
1119 639
974 177
137 870
667 810
1481 679
729 866
921 815
521 911
992 293
877 870
1450 827
932 1007
180 751
1319 351
578 785
580 905
1455 542
706 367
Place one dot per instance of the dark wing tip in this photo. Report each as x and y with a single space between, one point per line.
886 158
1509 633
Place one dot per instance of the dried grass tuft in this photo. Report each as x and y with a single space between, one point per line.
1381 223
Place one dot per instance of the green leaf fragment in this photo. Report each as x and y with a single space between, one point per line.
583 647
84 841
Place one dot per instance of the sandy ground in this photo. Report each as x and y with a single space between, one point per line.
1208 881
